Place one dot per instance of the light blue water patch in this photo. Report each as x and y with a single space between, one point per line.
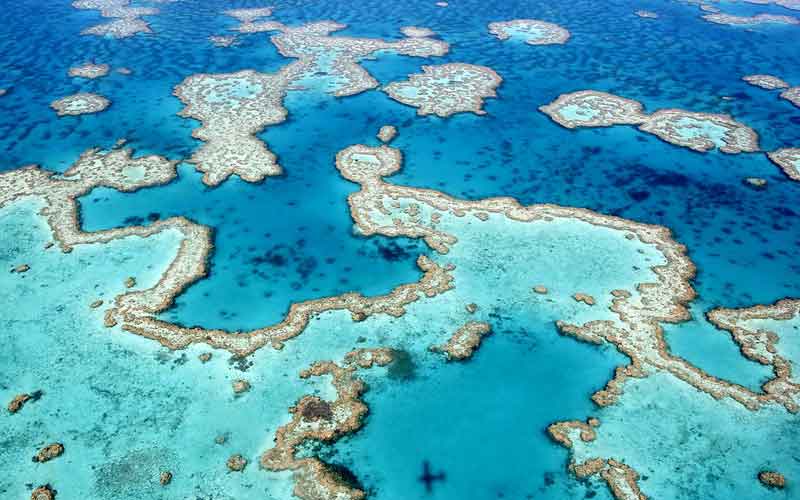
263 260
481 423
125 408
687 445
689 128
526 33
574 112
788 344
714 351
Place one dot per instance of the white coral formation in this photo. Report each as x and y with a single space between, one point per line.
80 104
249 15
416 32
464 341
387 133
223 40
767 82
591 108
319 53
233 107
89 70
788 159
248 18
792 95
732 20
700 132
126 21
533 31
768 344
789 4
447 89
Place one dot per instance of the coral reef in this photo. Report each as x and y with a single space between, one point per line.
531 31
447 89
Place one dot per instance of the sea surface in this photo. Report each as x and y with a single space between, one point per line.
127 408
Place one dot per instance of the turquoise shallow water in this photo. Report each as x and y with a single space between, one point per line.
127 408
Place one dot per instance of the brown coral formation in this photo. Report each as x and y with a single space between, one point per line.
18 402
165 478
564 432
367 358
447 89
22 268
696 131
236 463
762 346
136 310
772 479
49 452
621 479
319 420
585 298
240 386
45 492
464 341
788 160
533 31
80 104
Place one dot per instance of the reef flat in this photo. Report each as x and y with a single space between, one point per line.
126 21
697 131
80 104
531 31
447 89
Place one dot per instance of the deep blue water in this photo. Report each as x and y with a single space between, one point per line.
290 238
